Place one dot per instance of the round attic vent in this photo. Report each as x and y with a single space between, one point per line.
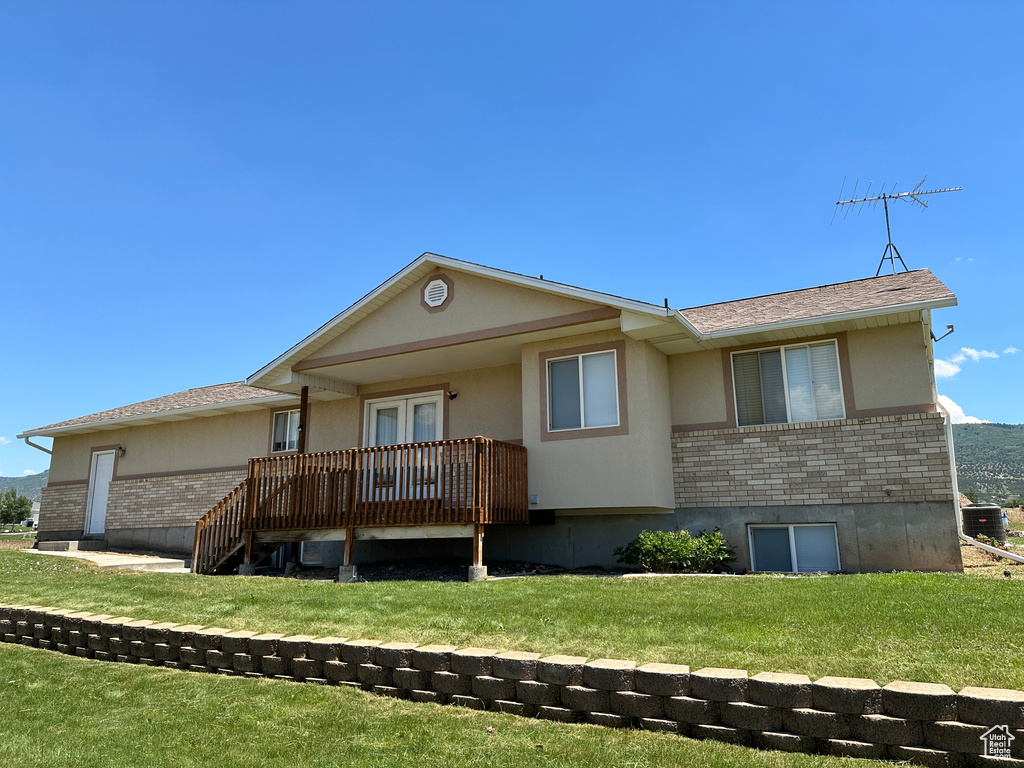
435 293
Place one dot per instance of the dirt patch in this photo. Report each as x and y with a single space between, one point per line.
981 563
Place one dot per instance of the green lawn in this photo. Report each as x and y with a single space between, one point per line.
64 711
950 628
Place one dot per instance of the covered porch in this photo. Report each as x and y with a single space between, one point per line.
435 489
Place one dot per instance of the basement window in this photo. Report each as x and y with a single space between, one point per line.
799 548
286 432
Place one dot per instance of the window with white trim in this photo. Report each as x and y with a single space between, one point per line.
286 432
583 391
798 548
788 384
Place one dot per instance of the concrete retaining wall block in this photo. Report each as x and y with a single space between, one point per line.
923 723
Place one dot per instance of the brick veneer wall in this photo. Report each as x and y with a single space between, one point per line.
919 722
178 500
63 507
849 461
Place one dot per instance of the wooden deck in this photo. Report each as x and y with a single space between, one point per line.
471 481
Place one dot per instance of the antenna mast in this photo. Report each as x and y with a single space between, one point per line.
891 252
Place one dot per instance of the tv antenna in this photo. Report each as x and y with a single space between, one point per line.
891 252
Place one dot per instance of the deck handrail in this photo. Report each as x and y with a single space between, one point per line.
460 481
219 532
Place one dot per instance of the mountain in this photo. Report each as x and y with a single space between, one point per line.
990 458
29 485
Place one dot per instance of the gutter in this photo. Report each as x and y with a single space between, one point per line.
956 496
37 447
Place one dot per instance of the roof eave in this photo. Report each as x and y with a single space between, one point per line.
838 317
196 410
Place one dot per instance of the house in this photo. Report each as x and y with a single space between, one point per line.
457 400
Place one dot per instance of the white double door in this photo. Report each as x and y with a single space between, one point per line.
406 420
409 473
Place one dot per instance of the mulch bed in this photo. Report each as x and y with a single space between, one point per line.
442 570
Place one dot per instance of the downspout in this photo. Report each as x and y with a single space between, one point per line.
28 441
956 496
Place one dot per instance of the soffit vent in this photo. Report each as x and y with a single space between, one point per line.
435 293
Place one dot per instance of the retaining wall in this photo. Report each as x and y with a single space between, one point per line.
923 723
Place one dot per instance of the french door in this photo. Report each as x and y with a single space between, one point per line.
403 473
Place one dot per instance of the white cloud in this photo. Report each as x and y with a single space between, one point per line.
1011 351
944 369
956 413
4 440
975 355
29 472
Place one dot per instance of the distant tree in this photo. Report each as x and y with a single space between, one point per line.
14 507
972 494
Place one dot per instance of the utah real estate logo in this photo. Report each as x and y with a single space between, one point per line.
997 741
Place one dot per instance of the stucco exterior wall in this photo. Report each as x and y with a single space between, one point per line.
613 471
697 386
889 367
884 370
174 446
476 303
489 403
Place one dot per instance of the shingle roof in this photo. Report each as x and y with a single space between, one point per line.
219 394
871 293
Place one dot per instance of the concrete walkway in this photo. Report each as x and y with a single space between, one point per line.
121 560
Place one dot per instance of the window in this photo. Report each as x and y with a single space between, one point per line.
794 548
583 391
788 384
286 432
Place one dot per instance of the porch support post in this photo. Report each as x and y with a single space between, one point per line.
478 571
293 565
347 571
303 419
247 567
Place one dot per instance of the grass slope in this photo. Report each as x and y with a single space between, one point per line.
949 628
990 458
64 711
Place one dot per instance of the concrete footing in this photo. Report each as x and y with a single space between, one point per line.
346 574
247 569
477 573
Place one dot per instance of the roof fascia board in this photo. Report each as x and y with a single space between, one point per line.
233 405
477 269
837 317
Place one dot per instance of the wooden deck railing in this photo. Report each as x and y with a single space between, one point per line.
472 480
219 532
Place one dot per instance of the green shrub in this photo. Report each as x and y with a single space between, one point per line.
678 552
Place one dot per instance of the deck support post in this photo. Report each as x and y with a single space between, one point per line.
478 571
293 565
347 571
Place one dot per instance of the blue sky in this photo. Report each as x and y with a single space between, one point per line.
187 189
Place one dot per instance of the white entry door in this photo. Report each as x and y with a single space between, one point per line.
100 475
